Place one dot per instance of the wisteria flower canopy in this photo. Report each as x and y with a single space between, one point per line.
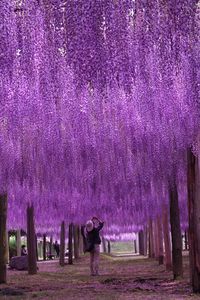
99 103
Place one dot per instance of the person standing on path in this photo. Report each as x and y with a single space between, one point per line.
92 229
57 248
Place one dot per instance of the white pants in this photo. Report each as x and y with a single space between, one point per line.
94 260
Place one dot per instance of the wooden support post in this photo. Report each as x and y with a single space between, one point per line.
36 247
167 241
40 250
18 242
151 240
104 244
62 245
31 245
175 233
44 247
193 178
142 236
76 242
7 248
81 243
50 245
155 239
78 239
160 242
83 238
186 239
70 244
109 247
3 238
145 241
141 242
137 243
135 246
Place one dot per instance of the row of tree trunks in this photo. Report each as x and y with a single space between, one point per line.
75 243
3 238
194 219
159 232
32 250
155 240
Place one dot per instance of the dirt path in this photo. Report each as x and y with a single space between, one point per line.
121 278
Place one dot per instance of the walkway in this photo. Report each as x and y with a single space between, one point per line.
122 278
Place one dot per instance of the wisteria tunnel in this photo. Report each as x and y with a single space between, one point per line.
99 116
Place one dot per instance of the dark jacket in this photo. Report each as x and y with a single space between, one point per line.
93 236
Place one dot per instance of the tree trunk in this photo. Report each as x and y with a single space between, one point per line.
3 238
62 245
186 240
109 247
151 240
70 244
167 241
155 239
104 244
31 245
76 242
50 245
145 241
18 242
142 236
81 243
160 241
135 246
194 219
141 242
7 248
137 243
36 247
176 233
44 247
40 250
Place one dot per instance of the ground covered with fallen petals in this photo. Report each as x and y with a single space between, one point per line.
126 277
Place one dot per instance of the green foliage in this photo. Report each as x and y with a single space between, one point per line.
125 247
